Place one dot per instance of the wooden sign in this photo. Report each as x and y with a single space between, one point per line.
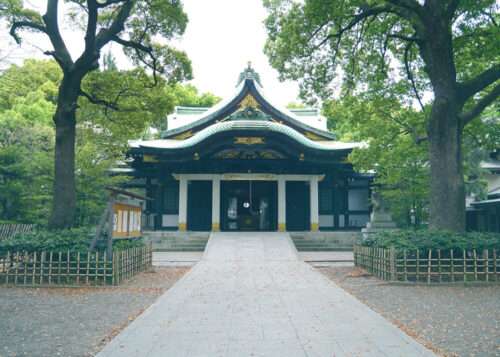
126 220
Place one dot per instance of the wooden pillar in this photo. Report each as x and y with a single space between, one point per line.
314 203
183 188
281 204
216 204
111 221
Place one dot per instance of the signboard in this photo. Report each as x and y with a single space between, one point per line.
126 220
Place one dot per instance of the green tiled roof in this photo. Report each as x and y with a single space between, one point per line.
242 125
190 110
305 112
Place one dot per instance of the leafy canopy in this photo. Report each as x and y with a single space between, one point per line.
372 45
141 27
28 96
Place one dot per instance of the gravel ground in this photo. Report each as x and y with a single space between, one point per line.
74 322
452 320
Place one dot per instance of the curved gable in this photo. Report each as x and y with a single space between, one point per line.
248 103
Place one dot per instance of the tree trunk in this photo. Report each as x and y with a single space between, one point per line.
64 189
447 201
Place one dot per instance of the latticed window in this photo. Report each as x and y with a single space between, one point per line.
325 200
171 198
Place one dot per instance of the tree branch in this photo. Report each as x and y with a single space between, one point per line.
481 104
23 23
141 50
409 74
109 2
480 82
99 101
408 4
60 53
409 7
452 7
356 19
413 38
132 44
91 26
117 26
490 16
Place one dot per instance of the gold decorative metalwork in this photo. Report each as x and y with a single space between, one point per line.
301 157
313 136
185 135
249 140
227 154
270 155
150 158
249 102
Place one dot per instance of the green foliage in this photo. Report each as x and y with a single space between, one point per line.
397 152
37 76
384 59
401 164
26 141
433 239
122 244
184 95
74 240
28 95
189 96
327 44
143 29
294 105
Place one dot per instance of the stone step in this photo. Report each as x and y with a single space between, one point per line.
180 249
182 245
182 242
324 249
179 240
321 243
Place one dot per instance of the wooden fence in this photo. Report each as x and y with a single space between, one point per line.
10 230
73 268
429 265
129 262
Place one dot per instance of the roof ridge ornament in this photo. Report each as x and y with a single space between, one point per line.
249 73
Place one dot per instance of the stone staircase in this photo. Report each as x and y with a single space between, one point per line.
304 241
177 241
330 242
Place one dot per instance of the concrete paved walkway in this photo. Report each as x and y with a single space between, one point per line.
251 296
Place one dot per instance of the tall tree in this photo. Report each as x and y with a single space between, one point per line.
449 48
132 24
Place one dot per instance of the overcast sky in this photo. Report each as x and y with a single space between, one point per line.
221 37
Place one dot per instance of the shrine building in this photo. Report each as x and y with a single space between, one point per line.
248 165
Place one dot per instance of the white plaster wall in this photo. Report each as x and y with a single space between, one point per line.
169 220
326 220
493 181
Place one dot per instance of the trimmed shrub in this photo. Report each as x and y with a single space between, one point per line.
74 240
122 244
433 239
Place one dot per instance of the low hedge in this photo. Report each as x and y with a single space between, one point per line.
74 240
433 239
